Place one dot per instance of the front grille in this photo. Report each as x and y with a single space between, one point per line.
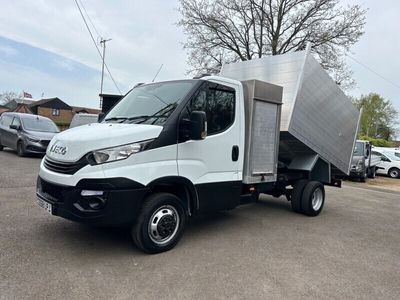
45 142
49 190
64 167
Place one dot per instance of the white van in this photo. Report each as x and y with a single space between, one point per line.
83 119
389 165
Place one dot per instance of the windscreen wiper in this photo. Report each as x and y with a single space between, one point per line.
116 119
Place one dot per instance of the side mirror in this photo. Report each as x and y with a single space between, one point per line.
367 154
16 127
100 117
194 128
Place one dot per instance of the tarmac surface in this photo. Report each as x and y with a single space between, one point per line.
257 251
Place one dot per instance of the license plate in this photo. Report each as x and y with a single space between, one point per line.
45 205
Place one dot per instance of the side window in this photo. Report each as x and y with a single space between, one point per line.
218 102
16 121
6 120
376 153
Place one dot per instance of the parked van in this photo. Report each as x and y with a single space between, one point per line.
83 119
389 164
394 151
26 133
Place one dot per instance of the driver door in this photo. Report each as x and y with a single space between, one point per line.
212 164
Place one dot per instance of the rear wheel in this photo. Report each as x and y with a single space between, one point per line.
313 198
20 148
394 173
297 192
160 224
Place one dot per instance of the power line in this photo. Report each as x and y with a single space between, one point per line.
90 20
98 50
373 71
157 73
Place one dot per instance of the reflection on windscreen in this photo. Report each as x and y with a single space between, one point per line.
39 124
150 104
358 149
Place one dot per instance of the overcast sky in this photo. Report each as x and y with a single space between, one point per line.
45 47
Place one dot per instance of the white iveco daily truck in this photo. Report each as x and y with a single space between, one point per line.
171 150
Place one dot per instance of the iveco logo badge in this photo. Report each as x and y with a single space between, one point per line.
58 149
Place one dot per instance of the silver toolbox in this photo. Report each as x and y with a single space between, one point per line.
263 113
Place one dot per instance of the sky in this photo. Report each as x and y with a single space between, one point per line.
45 48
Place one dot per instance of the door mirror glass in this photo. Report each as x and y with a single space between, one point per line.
194 128
14 126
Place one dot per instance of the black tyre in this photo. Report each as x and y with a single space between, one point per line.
364 177
313 198
372 172
20 148
160 224
1 147
297 192
394 173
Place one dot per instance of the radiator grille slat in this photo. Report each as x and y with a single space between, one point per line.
64 167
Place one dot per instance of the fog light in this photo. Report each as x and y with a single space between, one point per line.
88 193
96 203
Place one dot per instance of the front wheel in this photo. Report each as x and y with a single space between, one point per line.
20 148
313 198
394 173
372 172
160 224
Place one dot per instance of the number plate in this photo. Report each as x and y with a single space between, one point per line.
45 205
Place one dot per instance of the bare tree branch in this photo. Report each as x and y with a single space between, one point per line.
231 30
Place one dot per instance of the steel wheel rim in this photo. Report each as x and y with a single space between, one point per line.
317 199
394 173
163 225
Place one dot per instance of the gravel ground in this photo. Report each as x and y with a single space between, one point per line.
257 251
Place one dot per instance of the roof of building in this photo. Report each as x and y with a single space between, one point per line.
80 109
3 109
51 103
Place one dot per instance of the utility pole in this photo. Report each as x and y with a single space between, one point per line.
103 44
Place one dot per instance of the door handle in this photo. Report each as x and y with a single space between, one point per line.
235 153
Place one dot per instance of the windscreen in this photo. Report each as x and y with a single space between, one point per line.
39 124
359 149
150 103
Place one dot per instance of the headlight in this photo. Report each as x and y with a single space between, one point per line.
359 164
33 140
117 153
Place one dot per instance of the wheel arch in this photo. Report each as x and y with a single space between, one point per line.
179 186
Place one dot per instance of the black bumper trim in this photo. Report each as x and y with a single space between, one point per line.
122 205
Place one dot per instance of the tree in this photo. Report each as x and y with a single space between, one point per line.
8 96
378 116
223 31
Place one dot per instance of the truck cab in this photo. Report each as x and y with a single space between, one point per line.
363 162
182 138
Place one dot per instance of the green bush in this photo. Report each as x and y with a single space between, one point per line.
377 142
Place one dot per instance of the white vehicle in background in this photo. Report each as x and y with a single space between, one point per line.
83 119
394 151
389 165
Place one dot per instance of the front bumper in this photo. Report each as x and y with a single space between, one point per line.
120 202
36 147
357 174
